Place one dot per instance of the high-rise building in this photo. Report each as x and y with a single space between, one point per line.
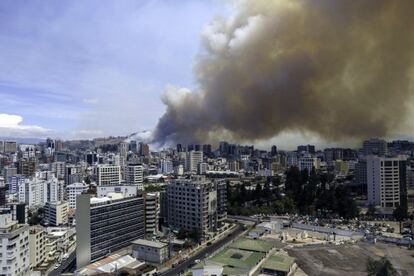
375 146
3 190
387 181
73 174
14 239
143 149
152 212
56 213
360 173
37 191
10 147
73 190
207 150
166 166
108 175
273 151
193 204
104 225
134 175
193 159
27 167
37 245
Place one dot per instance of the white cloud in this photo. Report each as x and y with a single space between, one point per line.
11 126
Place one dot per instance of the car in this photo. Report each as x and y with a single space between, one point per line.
197 261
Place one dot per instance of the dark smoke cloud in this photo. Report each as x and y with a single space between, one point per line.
338 69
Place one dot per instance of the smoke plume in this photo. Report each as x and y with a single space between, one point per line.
336 68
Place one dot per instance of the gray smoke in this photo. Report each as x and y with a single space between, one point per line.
335 68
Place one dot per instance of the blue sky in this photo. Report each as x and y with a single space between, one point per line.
81 69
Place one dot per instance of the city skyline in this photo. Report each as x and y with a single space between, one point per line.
70 73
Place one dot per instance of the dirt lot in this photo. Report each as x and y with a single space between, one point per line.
350 259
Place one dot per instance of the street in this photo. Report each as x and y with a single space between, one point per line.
203 253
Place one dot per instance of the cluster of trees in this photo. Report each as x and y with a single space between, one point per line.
261 200
304 193
381 267
313 193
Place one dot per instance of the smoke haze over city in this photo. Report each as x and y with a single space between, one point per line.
335 69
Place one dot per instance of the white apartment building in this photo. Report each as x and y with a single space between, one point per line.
37 191
108 175
37 245
152 212
386 181
73 190
14 249
134 175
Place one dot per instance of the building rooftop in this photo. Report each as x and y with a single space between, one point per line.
149 243
110 264
252 245
236 258
279 262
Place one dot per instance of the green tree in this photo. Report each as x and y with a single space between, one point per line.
382 267
400 213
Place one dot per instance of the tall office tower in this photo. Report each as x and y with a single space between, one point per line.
37 245
10 147
1 146
143 149
104 225
387 181
207 150
197 147
27 167
273 150
224 148
179 148
152 212
56 213
360 173
193 159
134 175
192 205
221 188
73 190
375 146
166 166
123 153
108 175
14 239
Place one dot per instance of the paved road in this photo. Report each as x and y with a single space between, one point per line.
203 253
65 264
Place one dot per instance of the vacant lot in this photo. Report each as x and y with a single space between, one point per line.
350 259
